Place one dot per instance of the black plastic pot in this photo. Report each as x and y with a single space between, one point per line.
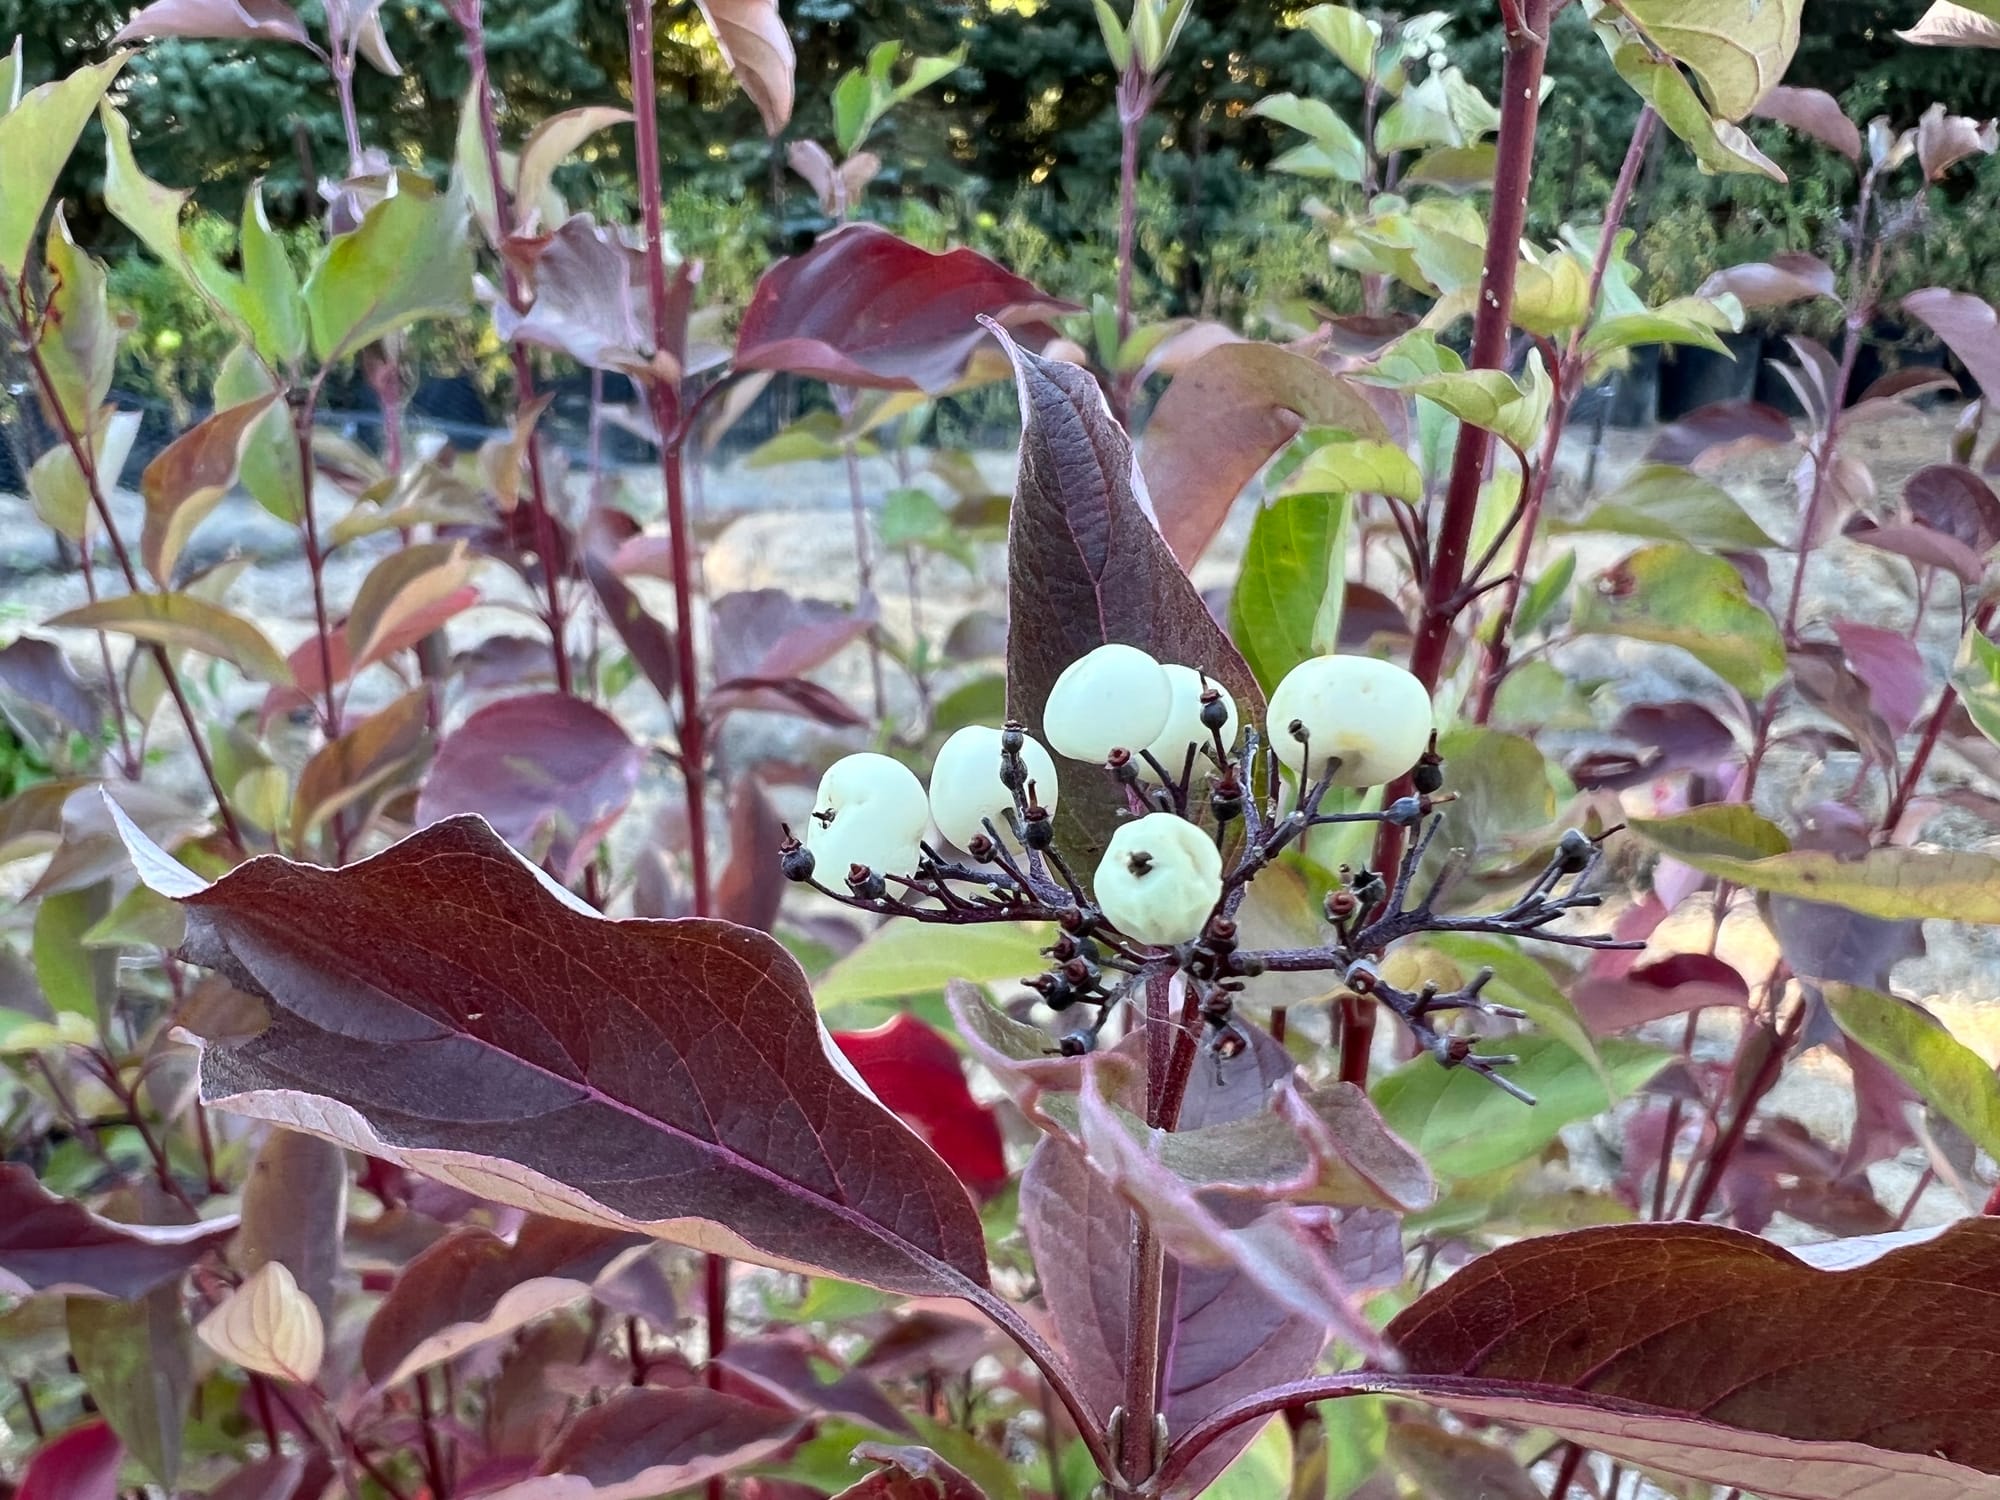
1692 378
1632 396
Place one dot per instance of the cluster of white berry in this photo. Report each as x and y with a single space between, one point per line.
1339 720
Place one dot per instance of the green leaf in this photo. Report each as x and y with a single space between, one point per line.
153 213
1294 561
137 1358
56 484
1697 321
10 78
1357 1439
1491 399
1739 49
1117 46
925 71
1521 981
1946 1074
911 518
1977 678
1366 468
1676 596
179 621
78 340
1503 789
1336 150
1720 830
268 458
1464 1126
36 138
1673 504
1718 146
1894 884
1260 1471
409 259
852 102
75 980
1348 35
914 958
1541 597
272 303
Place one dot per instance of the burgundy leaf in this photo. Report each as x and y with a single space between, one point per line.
1222 419
1890 664
264 20
590 299
1823 941
1921 544
81 1464
1086 566
644 1443
307 664
1709 1352
1968 325
49 1244
1788 277
37 670
752 887
1722 422
1906 384
191 474
913 1070
472 1286
1952 499
550 772
784 695
770 633
666 1076
1670 986
650 641
1812 112
782 1369
384 751
866 308
908 1474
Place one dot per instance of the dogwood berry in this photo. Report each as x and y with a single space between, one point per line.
1159 879
966 785
1111 698
869 811
1185 725
1371 714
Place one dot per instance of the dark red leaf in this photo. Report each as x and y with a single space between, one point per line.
50 1244
1921 544
784 695
472 1286
550 772
866 308
1815 113
648 639
644 1443
1723 422
752 887
220 20
1709 1352
37 670
665 1076
913 1070
1952 499
308 678
1647 992
1087 565
783 1368
909 1474
770 633
1220 422
1890 664
81 1464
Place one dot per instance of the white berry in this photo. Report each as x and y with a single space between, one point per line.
1184 726
1371 714
966 788
869 810
1159 879
1110 698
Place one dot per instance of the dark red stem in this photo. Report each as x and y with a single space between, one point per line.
1913 773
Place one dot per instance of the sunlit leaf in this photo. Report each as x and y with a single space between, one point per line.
1677 596
758 49
36 138
410 258
183 621
1945 1073
268 1325
189 479
1292 576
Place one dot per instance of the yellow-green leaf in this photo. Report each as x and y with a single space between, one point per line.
1945 1073
1894 884
409 259
181 621
36 138
1676 596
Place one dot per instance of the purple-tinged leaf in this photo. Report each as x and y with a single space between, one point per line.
1223 418
866 308
650 641
1785 278
1968 325
1953 499
37 671
783 1368
1086 566
914 1071
670 1077
1949 24
1722 423
590 300
770 633
1714 1354
1669 986
49 1244
1890 664
472 1286
783 695
385 750
549 144
908 1474
752 887
1920 544
137 1361
217 20
265 1479
1944 140
1815 113
306 663
550 772
753 40
81 1464
644 1443
189 479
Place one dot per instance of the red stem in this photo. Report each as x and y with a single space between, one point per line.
1906 786
1520 108
302 426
